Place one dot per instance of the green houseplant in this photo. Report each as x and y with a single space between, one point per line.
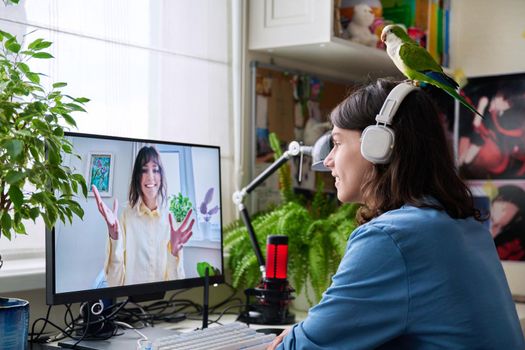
180 206
32 142
317 236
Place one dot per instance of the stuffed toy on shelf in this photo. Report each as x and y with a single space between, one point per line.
359 27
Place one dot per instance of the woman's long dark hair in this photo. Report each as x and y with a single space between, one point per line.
146 154
421 166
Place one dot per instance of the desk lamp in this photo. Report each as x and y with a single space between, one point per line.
273 294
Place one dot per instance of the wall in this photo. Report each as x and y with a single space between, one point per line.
85 239
488 37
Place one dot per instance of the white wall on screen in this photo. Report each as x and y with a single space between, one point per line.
205 161
195 254
83 244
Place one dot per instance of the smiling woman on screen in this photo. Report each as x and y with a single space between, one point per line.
144 244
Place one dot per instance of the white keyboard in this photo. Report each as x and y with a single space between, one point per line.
231 336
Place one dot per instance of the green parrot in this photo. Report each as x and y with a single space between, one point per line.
417 64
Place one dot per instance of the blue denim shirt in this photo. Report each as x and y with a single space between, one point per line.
414 278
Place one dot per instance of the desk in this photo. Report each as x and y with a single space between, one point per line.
164 329
189 325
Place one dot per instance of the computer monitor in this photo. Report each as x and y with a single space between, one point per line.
83 263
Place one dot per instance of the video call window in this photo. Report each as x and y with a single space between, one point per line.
165 199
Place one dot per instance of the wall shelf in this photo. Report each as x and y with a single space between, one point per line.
301 30
349 58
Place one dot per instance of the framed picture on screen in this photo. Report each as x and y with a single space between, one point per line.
100 173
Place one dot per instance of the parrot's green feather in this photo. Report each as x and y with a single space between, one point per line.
425 79
417 64
417 58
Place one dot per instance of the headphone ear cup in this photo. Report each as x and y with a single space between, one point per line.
377 142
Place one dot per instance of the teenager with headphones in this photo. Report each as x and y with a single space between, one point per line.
421 271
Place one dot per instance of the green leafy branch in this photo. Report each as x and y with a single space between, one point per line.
32 141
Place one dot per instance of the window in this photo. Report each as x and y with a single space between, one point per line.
152 69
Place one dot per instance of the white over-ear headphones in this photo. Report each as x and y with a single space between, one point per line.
377 141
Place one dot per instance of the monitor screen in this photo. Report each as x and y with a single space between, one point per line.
152 220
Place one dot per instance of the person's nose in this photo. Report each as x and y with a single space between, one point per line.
329 160
150 174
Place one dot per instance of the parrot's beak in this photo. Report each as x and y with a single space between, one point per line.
383 37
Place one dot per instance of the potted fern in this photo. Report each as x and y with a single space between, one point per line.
32 143
317 235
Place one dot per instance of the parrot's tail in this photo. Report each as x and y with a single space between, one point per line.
461 99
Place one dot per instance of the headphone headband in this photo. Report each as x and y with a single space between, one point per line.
393 101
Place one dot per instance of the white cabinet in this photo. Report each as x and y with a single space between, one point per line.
302 30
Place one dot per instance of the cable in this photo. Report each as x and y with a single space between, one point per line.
46 321
136 317
224 312
72 327
86 326
144 338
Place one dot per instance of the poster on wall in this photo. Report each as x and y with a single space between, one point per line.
493 147
491 157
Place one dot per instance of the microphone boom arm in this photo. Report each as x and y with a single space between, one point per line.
294 149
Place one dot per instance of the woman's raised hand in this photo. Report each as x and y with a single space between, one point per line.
180 236
110 216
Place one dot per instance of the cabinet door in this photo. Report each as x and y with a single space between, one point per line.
278 23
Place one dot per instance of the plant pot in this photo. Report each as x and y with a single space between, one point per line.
301 302
14 323
205 228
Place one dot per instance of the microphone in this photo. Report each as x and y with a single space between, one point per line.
274 294
277 257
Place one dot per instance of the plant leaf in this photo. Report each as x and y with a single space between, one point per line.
13 147
209 195
6 224
43 55
82 99
33 77
33 44
34 213
43 45
203 208
214 210
16 196
23 67
14 176
201 269
59 85
12 45
75 107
